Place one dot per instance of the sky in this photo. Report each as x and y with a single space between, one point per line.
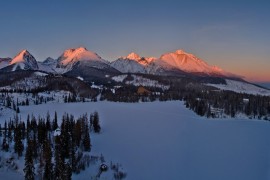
232 34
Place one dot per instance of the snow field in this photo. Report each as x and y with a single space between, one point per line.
164 140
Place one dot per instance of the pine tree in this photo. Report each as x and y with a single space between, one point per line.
27 102
18 146
35 146
14 106
48 168
29 169
22 125
28 126
96 124
9 132
73 158
86 139
59 160
5 130
40 166
48 122
5 145
55 125
68 172
17 109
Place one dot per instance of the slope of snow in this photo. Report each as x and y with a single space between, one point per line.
24 60
241 87
164 140
50 68
119 78
41 74
48 65
128 66
49 60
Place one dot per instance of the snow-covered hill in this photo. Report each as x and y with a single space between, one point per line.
241 87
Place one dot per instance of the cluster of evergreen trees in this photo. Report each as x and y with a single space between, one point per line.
7 100
230 103
205 101
56 151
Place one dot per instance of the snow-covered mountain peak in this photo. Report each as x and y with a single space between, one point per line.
74 51
180 51
25 60
71 56
49 60
133 56
81 49
20 57
187 62
24 51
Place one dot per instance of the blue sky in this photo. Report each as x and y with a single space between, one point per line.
231 34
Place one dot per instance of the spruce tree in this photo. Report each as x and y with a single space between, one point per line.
17 110
48 122
86 139
48 168
68 172
96 124
59 167
29 169
18 146
55 125
5 145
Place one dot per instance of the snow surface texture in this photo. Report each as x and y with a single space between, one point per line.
241 87
164 140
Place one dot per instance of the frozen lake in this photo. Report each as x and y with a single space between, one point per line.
166 141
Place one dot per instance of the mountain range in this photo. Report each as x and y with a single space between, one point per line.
82 61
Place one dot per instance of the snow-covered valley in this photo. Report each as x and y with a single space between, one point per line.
164 140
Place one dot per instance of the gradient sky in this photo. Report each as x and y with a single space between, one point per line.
232 34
